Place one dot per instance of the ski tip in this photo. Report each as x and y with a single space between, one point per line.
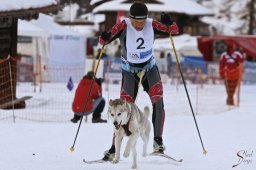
85 161
166 156
94 161
205 152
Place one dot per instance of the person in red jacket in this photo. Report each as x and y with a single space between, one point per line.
96 102
230 69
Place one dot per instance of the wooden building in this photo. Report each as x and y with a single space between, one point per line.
9 14
185 13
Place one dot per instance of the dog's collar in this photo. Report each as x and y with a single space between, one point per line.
126 127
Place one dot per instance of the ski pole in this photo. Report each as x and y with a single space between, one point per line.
178 64
87 98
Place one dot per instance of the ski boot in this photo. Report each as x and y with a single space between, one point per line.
158 145
109 154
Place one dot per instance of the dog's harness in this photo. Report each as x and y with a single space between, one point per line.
126 128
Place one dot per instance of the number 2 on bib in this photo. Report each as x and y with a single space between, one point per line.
141 42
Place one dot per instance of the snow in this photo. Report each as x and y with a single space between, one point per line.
231 17
9 5
96 18
184 45
27 145
69 12
47 23
181 41
26 28
94 2
89 29
184 6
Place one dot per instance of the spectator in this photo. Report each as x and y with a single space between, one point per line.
169 64
96 102
230 70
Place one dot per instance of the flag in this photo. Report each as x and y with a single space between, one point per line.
120 17
70 84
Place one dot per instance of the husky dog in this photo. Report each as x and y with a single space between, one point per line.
129 121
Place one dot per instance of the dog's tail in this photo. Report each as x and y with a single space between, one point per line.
146 111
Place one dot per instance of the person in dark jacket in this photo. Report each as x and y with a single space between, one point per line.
96 102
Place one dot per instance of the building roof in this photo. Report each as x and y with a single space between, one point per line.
20 8
246 42
182 6
47 23
26 28
74 22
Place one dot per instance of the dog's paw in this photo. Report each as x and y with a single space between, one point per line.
126 154
115 161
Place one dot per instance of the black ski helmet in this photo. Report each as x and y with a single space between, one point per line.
138 10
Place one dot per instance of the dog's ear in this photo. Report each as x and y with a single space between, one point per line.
110 102
122 102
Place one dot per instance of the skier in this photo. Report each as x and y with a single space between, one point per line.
136 35
230 69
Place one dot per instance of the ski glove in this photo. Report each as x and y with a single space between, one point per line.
105 35
166 19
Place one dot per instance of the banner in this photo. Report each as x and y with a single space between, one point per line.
112 70
67 52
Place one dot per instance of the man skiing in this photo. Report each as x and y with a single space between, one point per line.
136 35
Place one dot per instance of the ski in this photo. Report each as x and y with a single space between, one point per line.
166 156
94 161
151 154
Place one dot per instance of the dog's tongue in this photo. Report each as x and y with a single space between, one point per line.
118 126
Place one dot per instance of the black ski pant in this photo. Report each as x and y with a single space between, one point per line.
152 84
